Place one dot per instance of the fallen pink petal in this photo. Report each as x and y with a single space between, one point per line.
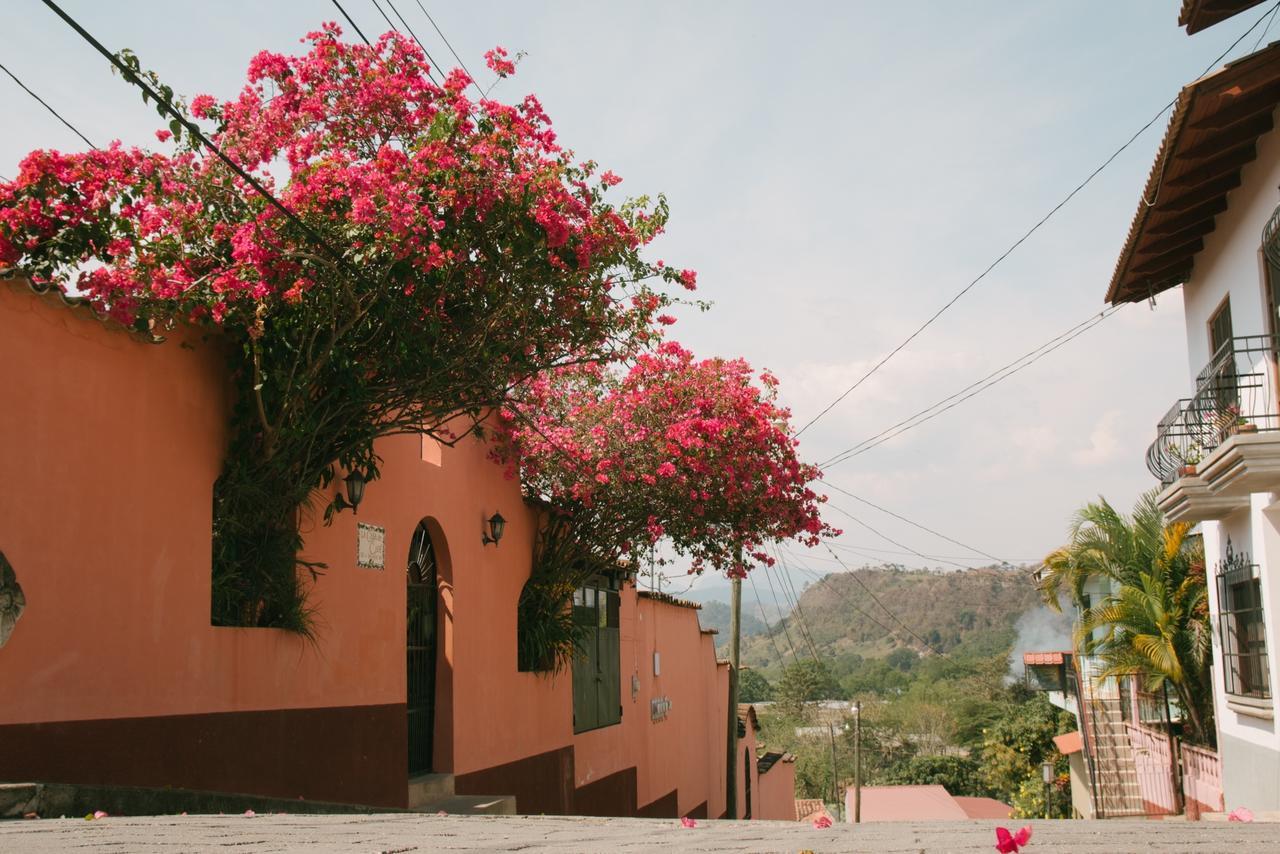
101 814
822 822
249 813
1010 843
685 821
1243 814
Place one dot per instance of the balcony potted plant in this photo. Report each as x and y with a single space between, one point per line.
1237 422
1188 457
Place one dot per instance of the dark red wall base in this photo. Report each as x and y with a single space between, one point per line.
352 755
543 784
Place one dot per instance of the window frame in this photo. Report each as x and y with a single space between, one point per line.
1245 671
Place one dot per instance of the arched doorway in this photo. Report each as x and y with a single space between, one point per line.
420 648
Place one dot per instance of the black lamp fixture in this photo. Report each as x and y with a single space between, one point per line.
496 526
355 489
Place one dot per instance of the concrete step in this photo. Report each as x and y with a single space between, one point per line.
428 787
470 805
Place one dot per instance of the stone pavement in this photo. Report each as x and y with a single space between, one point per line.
425 833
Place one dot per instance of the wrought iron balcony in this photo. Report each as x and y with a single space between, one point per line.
1235 393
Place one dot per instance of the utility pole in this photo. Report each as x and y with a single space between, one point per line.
835 773
857 762
731 759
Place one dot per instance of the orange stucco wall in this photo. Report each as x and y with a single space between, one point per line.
778 793
110 448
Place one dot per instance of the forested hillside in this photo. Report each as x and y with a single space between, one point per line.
848 626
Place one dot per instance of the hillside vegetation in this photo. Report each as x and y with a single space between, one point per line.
974 608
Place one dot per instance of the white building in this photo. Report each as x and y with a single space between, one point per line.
1206 221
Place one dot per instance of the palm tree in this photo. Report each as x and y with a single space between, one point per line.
1154 624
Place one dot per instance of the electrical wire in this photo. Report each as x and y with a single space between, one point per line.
887 538
353 23
760 605
195 131
431 59
972 390
445 39
45 104
782 621
884 607
801 624
916 524
1034 228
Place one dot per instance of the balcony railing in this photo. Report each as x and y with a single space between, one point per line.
1234 393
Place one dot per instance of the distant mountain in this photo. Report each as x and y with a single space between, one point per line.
842 618
715 615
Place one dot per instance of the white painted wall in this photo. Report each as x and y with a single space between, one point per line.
1232 263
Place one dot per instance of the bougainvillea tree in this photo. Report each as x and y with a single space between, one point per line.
694 453
444 251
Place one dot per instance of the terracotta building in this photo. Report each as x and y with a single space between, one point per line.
113 673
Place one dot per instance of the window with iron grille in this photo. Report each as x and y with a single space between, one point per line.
1240 623
597 678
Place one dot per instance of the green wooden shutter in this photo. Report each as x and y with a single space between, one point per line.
609 686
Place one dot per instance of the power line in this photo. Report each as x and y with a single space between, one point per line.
886 609
916 524
45 104
781 620
760 605
353 23
802 625
445 39
825 579
431 59
887 538
1025 235
860 548
973 389
195 131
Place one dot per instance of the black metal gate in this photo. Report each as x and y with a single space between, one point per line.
421 649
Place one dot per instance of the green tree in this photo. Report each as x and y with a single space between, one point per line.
1019 740
1155 622
753 687
959 774
902 658
804 682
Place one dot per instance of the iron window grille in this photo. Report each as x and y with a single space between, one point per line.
1246 668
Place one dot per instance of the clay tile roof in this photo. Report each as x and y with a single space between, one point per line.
1040 658
908 803
806 807
764 763
668 599
1212 135
747 711
983 807
1068 743
1197 15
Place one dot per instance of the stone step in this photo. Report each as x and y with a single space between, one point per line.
470 805
427 787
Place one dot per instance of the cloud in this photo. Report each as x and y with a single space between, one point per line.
1104 442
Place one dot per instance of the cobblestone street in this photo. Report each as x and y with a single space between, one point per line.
409 833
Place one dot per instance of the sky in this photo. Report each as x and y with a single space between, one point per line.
836 172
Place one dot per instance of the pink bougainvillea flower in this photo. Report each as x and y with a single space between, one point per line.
442 812
249 813
1011 843
1240 814
822 822
685 821
96 815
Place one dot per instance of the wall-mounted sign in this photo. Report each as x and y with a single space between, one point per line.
659 707
371 546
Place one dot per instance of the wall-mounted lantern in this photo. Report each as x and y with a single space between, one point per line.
355 489
496 526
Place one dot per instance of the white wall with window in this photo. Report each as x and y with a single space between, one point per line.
1230 294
